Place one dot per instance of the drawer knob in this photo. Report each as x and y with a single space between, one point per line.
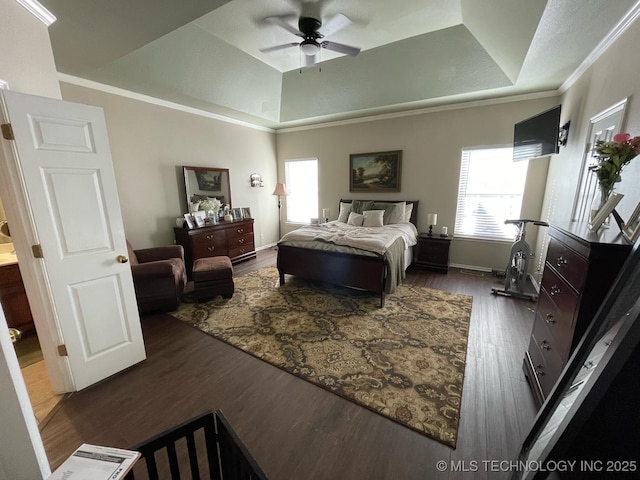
545 345
555 290
210 236
561 261
211 249
539 370
241 240
550 319
241 230
242 250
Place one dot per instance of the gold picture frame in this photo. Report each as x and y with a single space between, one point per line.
375 172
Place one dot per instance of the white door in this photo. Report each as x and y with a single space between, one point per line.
601 127
64 159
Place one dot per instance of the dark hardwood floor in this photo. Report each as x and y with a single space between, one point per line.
296 430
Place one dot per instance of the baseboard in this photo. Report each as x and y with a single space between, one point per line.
469 267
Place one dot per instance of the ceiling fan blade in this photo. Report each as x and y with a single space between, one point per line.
341 48
334 24
283 24
278 47
309 60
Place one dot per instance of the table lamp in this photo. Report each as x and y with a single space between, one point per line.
432 219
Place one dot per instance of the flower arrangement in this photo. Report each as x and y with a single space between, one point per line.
210 204
612 157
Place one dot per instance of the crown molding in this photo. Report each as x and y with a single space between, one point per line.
424 111
39 11
617 31
83 82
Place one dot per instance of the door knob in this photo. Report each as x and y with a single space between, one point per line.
122 259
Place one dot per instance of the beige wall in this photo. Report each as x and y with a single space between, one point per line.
431 145
151 143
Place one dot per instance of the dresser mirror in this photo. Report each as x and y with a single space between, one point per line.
201 183
590 417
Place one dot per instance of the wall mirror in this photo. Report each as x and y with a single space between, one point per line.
203 182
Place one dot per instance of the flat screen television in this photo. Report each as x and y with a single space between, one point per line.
537 136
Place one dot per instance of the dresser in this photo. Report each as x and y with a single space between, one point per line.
14 299
579 269
433 252
232 239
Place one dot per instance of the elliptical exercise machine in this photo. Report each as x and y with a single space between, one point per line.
515 275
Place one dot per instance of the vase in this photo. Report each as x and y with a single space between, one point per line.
600 198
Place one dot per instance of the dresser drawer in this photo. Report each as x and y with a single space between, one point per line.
559 323
561 294
545 360
572 266
241 250
237 232
209 244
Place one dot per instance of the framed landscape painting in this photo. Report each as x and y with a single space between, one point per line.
375 172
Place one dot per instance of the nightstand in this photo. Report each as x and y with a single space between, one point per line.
433 252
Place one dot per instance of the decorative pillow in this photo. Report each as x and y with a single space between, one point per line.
408 209
373 218
393 212
360 206
345 209
355 219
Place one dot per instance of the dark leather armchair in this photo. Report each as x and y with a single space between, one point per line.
159 277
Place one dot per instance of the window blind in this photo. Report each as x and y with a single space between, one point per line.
489 192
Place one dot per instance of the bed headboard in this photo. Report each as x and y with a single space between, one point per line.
414 212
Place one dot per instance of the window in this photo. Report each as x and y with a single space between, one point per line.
490 192
301 178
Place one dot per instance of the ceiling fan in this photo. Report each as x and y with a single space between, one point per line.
312 38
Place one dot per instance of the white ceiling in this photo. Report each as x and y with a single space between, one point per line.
414 53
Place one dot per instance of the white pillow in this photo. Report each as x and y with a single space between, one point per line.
373 218
355 219
345 209
407 212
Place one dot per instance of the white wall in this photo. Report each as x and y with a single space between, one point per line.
432 143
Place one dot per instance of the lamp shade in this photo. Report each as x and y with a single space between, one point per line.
280 189
432 218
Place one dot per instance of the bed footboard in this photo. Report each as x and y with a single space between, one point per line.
357 271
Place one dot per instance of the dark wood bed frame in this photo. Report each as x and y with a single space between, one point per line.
349 270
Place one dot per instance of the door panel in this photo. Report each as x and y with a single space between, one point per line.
63 155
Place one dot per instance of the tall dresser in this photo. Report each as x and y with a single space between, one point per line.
579 269
232 239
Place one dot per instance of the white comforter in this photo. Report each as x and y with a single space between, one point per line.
372 239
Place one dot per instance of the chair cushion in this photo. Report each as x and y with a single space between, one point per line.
133 259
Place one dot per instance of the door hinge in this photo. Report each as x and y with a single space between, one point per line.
7 131
62 350
37 251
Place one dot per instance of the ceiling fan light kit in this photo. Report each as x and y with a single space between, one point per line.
309 31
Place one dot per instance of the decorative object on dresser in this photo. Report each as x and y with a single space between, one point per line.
631 229
433 252
432 219
375 172
280 191
233 239
580 268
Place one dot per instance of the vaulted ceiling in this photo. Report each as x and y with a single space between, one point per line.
414 53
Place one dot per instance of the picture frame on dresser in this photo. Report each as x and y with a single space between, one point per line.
631 230
190 221
606 210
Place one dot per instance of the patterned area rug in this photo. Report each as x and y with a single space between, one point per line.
404 361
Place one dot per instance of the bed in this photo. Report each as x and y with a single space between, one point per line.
343 264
